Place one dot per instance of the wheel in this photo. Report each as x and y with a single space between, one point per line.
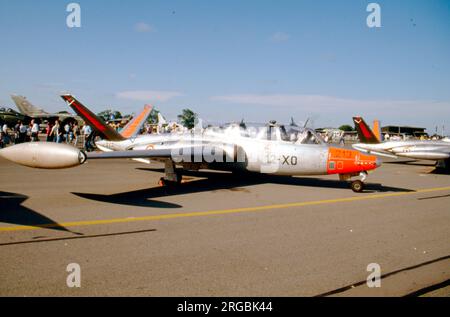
162 182
169 184
357 186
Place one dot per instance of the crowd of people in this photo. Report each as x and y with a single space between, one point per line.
69 133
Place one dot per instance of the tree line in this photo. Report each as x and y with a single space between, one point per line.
187 117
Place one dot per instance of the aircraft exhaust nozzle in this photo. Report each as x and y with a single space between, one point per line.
378 162
46 155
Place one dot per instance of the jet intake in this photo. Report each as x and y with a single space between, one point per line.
46 155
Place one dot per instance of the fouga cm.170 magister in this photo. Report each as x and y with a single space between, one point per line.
265 149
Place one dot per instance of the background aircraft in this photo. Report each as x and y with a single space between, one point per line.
438 151
29 110
164 125
11 117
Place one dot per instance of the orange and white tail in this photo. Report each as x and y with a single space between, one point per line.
377 130
134 126
365 134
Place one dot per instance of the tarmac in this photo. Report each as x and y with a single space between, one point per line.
222 235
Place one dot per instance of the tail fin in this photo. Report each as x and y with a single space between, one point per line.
161 119
96 123
132 128
365 134
377 130
25 107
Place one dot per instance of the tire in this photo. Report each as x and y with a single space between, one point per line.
357 186
162 182
168 184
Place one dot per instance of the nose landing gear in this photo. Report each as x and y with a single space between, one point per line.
357 185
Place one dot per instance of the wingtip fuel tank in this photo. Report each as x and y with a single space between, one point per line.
45 155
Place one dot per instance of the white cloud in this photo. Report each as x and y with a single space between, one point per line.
324 104
143 27
336 110
280 37
148 95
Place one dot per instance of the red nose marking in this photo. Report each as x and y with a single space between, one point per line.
345 161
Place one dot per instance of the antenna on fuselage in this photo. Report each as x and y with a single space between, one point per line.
242 124
293 124
306 123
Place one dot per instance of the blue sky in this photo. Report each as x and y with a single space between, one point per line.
227 60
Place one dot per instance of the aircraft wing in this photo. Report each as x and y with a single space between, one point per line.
194 153
384 154
426 155
45 116
49 155
158 153
362 148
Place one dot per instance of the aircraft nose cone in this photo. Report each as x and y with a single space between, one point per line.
378 162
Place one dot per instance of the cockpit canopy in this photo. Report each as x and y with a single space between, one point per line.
7 110
305 136
271 132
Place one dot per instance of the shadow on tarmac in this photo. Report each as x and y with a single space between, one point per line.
218 181
139 198
435 170
13 212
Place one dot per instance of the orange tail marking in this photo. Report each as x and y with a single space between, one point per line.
376 129
135 123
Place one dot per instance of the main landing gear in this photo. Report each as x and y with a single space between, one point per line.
357 185
172 177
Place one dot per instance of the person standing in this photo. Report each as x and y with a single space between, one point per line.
57 133
22 132
70 134
66 132
87 131
48 132
2 137
16 132
76 133
54 131
34 131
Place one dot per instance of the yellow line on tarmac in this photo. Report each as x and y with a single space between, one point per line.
219 212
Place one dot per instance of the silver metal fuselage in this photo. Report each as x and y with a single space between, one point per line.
265 156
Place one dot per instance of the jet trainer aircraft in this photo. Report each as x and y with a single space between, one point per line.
422 150
29 110
264 149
